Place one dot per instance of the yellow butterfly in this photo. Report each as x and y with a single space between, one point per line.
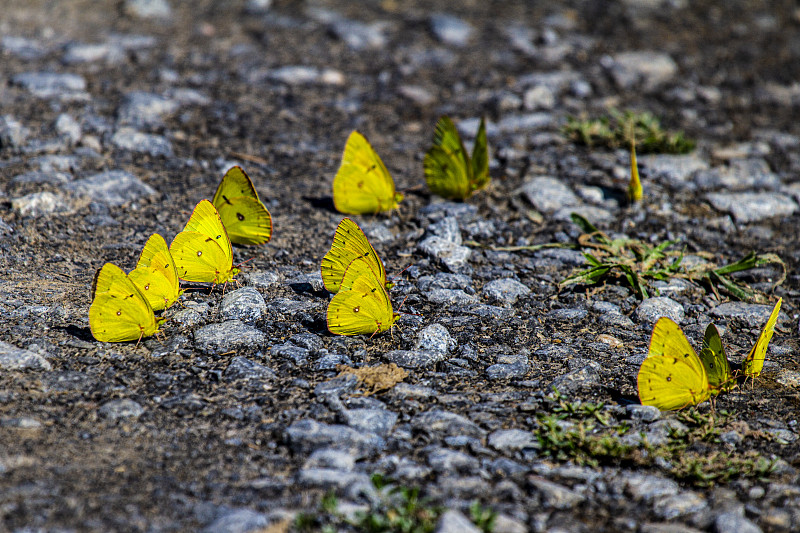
119 311
449 170
202 251
672 376
635 186
155 274
754 362
718 368
245 217
362 305
349 243
363 185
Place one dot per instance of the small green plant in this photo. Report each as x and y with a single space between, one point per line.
482 517
635 262
618 129
579 442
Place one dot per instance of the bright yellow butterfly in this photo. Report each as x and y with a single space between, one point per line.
362 305
202 251
245 217
754 362
635 186
363 185
672 376
119 311
155 274
449 170
718 368
349 243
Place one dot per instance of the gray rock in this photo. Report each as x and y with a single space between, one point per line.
445 424
303 75
539 97
740 174
12 133
378 421
782 435
257 7
338 386
39 204
592 213
446 228
417 94
68 127
520 123
505 291
452 256
113 187
449 461
755 315
245 304
746 207
673 169
13 358
731 438
453 521
651 69
143 110
414 358
445 280
509 366
243 368
22 47
573 314
651 309
450 29
548 194
331 458
435 338
732 521
645 413
648 488
521 39
585 378
330 478
144 143
506 524
555 496
148 9
512 440
122 408
21 422
296 354
262 280
228 336
683 504
51 84
188 318
359 36
308 435
308 341
450 297
77 53
464 213
237 520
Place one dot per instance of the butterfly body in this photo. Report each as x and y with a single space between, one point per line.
349 243
246 219
119 311
362 305
202 251
363 184
449 170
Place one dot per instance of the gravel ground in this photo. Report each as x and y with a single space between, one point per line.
116 118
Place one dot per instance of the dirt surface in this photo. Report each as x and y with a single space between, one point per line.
208 442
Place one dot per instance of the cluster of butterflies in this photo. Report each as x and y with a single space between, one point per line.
124 305
673 376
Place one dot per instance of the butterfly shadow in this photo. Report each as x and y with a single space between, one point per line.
324 202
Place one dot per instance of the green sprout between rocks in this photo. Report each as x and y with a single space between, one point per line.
399 509
634 262
618 129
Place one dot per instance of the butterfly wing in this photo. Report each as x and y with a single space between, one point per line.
199 258
362 305
714 360
447 166
205 219
363 184
480 160
668 339
349 243
156 262
754 362
246 219
670 382
119 312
